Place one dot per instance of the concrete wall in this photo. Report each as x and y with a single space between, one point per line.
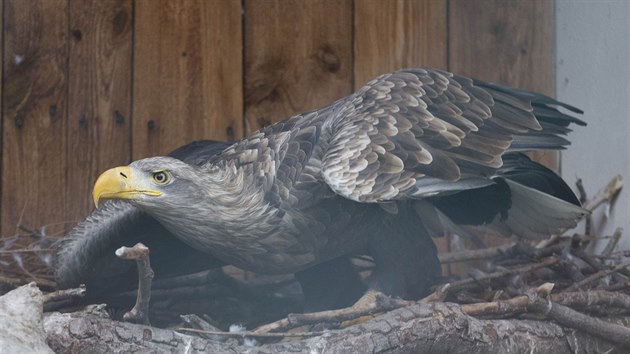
593 73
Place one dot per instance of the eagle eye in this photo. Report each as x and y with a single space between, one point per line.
161 177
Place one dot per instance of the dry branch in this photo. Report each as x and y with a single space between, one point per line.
420 328
574 319
473 255
140 253
607 194
510 290
597 276
612 243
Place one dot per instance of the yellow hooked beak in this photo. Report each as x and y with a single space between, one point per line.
120 183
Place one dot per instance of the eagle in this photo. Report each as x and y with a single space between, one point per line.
379 172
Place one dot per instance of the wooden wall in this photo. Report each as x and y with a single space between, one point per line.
87 85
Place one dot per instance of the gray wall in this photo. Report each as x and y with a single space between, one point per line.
593 73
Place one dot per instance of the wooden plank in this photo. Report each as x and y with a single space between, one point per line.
187 73
34 111
99 95
508 42
394 34
298 57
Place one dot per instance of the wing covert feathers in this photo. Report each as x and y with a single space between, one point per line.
414 126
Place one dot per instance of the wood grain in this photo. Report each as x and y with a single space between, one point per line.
508 42
298 57
187 73
99 96
394 34
34 111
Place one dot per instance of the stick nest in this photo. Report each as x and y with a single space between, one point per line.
561 279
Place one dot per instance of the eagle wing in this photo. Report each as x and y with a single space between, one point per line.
416 133
86 254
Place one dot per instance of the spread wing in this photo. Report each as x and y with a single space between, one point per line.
422 132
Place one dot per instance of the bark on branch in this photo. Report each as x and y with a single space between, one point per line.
420 328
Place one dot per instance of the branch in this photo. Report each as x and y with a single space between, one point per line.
468 282
505 307
580 321
607 194
139 252
370 303
473 255
62 298
419 328
254 334
592 298
583 199
65 294
612 243
596 276
539 301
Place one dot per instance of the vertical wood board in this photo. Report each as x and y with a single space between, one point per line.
298 57
507 42
394 34
99 99
34 112
187 73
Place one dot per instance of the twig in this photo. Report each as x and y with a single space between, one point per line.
593 262
618 286
438 295
28 278
65 294
254 334
538 301
612 243
465 283
472 255
25 250
596 276
583 199
370 303
197 323
568 269
63 298
140 311
608 193
505 307
589 299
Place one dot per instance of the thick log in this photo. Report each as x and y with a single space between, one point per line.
421 328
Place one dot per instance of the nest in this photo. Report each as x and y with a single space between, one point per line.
558 294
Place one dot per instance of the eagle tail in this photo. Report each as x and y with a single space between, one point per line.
526 200
536 215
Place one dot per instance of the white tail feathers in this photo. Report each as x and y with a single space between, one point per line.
537 215
532 215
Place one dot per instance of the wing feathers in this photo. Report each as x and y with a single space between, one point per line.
421 125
